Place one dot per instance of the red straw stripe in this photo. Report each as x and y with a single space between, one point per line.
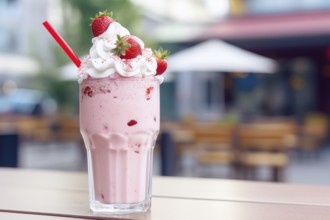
75 59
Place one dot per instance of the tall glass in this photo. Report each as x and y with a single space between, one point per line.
119 122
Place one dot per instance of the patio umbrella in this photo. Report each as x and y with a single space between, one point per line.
219 56
69 72
18 65
212 56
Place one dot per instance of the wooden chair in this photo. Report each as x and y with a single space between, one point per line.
25 126
213 145
29 128
265 145
68 129
313 132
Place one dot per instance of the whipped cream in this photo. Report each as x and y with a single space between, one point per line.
102 62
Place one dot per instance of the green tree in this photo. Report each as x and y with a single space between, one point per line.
64 92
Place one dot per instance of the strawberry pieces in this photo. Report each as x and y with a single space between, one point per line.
101 22
161 66
131 123
127 47
88 91
161 61
148 92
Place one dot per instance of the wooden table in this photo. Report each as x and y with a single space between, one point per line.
50 195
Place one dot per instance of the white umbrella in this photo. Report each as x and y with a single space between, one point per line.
18 65
216 55
69 72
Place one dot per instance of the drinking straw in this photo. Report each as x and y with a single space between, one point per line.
75 59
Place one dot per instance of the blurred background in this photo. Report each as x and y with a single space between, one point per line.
245 95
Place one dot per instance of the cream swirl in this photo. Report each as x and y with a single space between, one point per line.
102 62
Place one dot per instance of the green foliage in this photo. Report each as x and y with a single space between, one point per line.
60 58
65 93
102 13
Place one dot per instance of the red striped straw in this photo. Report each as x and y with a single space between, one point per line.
67 49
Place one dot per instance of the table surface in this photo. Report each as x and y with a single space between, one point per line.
32 194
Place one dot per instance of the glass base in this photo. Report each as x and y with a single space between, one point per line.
103 208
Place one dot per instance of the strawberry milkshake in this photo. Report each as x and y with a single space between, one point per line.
119 116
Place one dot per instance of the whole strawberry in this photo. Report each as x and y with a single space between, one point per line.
160 55
101 22
127 47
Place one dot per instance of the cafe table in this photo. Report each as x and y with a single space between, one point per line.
51 195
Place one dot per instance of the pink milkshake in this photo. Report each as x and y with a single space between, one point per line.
119 119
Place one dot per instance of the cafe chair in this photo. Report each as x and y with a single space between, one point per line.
265 145
313 133
213 146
